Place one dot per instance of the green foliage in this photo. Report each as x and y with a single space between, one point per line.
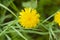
10 29
31 4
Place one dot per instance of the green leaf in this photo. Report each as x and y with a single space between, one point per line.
31 4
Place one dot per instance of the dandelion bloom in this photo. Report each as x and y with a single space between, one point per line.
57 18
29 18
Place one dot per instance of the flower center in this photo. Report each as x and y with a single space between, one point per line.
29 19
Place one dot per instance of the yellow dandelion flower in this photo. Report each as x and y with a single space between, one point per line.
29 18
57 18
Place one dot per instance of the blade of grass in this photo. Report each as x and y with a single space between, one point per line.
53 35
19 26
49 17
19 33
8 23
50 36
4 31
43 26
51 31
8 9
6 27
29 31
7 37
25 34
14 7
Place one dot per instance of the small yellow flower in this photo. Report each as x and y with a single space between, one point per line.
29 18
57 18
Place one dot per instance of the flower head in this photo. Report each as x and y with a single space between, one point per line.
57 18
29 18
